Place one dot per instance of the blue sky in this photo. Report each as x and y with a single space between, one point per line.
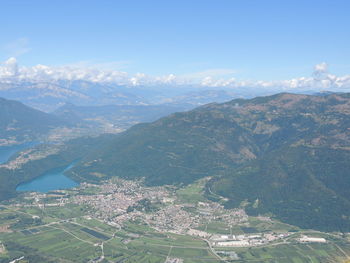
246 39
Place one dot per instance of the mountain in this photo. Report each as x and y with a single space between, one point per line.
303 186
285 155
201 97
117 117
49 95
19 122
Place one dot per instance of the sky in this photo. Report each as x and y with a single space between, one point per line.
248 40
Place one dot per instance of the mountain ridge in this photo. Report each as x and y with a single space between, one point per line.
284 154
222 140
19 122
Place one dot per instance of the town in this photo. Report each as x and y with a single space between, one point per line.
118 201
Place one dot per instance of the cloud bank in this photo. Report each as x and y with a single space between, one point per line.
319 80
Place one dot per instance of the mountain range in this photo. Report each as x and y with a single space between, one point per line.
113 117
48 96
284 155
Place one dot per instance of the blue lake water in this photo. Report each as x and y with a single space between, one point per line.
52 180
7 151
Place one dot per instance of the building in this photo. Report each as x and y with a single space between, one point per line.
240 243
306 239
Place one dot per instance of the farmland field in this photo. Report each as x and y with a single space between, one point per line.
69 233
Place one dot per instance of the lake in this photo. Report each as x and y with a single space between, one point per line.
7 151
52 180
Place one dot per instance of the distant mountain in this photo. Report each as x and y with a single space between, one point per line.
20 123
325 93
287 155
201 97
114 116
48 96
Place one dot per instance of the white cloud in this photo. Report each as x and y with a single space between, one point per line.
322 67
320 79
42 72
9 68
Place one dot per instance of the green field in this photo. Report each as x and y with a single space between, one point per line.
294 253
65 234
192 193
79 240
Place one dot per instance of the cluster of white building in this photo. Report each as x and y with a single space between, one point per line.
173 260
246 240
257 239
306 239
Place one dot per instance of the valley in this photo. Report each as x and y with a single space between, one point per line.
113 222
260 180
175 131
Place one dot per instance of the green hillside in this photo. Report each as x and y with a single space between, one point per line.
301 186
218 137
285 154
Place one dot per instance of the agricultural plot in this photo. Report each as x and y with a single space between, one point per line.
274 225
156 249
194 254
65 212
71 233
293 253
94 233
192 193
53 243
96 224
